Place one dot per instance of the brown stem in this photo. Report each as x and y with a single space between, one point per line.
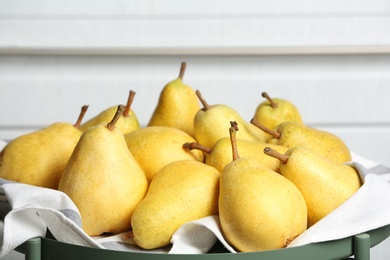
118 114
272 102
203 101
273 153
129 102
232 130
274 134
197 146
182 70
127 235
81 116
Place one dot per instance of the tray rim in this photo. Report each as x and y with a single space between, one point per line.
341 248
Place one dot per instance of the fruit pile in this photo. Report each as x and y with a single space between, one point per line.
268 180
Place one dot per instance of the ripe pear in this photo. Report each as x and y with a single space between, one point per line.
177 105
259 209
180 192
127 123
210 124
220 154
104 180
324 184
39 158
291 134
156 146
274 111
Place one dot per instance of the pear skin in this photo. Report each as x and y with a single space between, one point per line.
292 134
210 124
220 155
127 123
39 158
104 180
177 105
156 146
324 184
259 209
180 192
274 111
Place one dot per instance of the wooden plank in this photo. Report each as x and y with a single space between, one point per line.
220 37
327 89
185 8
345 93
32 104
197 28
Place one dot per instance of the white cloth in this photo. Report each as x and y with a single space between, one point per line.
27 211
35 209
367 209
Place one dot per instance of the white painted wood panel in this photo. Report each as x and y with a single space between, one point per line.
189 27
345 93
190 7
322 86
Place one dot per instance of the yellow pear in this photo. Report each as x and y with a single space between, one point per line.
156 146
274 111
104 180
221 153
324 184
291 134
210 124
127 123
180 192
39 158
177 105
259 209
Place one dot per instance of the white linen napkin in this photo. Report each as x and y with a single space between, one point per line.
27 211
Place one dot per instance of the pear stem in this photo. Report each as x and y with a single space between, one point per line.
129 102
203 101
232 130
198 146
81 116
274 134
273 153
118 114
182 70
272 102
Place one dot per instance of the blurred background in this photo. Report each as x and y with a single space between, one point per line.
331 58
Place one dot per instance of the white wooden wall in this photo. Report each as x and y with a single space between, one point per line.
346 94
331 58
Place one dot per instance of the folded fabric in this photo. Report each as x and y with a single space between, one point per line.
197 237
33 210
27 211
366 210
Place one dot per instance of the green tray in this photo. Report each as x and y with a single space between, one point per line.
357 246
